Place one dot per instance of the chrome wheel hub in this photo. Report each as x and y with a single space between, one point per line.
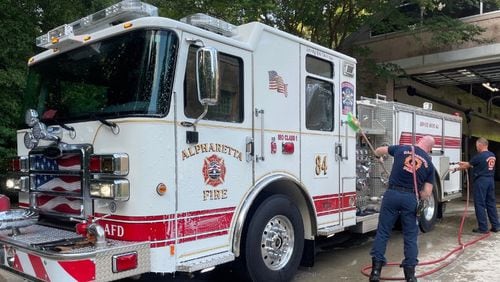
429 209
277 242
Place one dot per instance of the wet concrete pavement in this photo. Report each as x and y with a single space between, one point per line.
342 257
478 262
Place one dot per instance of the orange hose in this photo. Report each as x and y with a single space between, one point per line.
461 247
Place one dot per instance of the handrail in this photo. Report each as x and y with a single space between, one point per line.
490 104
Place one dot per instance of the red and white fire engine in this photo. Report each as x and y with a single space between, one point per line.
156 145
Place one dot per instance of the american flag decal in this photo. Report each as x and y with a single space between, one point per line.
58 183
67 162
59 204
276 83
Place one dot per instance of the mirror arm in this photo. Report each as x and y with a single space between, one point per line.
205 111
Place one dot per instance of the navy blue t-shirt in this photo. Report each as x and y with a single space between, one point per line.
402 169
483 164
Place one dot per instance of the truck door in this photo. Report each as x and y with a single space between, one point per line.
276 107
213 173
320 133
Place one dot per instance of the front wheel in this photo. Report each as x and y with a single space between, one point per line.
274 241
428 217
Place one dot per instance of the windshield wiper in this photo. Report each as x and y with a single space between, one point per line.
114 127
60 123
63 125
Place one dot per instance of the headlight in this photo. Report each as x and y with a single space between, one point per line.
17 184
11 183
112 189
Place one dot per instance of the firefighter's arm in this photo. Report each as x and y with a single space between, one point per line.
380 152
426 193
463 166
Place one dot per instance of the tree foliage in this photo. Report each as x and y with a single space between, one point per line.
331 23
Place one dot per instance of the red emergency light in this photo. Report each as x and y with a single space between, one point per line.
116 164
125 262
17 164
288 148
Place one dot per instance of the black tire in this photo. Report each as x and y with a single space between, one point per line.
428 218
441 210
269 233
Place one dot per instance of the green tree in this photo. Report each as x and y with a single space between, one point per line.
331 23
22 21
15 50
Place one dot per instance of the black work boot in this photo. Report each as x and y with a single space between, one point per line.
376 270
410 273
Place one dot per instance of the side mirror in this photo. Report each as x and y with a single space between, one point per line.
207 76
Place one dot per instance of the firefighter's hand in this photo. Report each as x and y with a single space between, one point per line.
463 165
426 193
380 158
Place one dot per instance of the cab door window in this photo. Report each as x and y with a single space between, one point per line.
230 107
319 94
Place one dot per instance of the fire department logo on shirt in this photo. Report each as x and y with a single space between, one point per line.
214 170
491 163
409 164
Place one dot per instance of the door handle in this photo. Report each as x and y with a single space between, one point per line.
250 149
338 151
261 113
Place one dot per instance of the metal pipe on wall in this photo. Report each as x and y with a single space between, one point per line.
467 111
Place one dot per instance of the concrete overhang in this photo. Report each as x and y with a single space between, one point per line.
457 67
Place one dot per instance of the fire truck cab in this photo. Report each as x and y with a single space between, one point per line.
156 145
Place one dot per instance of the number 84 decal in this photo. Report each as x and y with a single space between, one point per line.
321 165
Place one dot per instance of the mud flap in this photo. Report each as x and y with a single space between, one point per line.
309 253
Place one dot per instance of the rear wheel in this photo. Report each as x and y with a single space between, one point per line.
441 209
274 240
428 217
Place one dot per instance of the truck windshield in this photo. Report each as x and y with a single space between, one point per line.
127 75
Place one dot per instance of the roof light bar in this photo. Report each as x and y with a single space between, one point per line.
123 11
211 24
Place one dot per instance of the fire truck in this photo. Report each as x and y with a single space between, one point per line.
157 145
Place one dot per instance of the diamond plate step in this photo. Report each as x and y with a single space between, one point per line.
330 230
205 262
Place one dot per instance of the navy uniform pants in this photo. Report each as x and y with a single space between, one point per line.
397 204
484 203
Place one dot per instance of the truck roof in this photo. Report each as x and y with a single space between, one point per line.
245 36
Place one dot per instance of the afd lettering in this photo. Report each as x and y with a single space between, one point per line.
114 230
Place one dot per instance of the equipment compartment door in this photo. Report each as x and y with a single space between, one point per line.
213 174
319 98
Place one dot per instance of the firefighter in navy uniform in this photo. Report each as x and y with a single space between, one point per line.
400 201
483 173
